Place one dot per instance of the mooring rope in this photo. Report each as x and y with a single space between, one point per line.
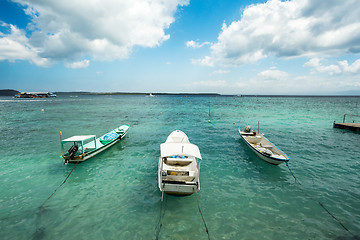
321 204
207 230
286 162
162 214
39 232
60 185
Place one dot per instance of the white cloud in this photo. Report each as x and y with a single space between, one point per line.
288 29
275 81
208 86
273 74
315 63
105 30
267 84
193 44
16 46
216 83
220 71
353 68
341 67
81 64
206 61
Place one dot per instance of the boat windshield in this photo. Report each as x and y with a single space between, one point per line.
178 156
177 160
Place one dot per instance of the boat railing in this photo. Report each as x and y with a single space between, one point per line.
350 115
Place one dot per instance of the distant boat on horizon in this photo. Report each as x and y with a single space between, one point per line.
35 95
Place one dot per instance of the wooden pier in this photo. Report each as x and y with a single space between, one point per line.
344 125
350 126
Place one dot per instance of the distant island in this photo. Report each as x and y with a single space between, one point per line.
8 92
11 92
134 93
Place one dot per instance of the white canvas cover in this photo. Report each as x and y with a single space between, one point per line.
79 138
185 149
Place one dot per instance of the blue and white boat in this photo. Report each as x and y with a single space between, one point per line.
82 147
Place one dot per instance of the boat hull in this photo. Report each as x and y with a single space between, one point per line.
270 160
179 189
266 158
78 159
90 154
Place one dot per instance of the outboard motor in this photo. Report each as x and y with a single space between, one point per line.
73 150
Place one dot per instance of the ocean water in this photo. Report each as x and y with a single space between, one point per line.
114 195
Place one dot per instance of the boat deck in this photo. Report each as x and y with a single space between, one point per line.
91 145
350 126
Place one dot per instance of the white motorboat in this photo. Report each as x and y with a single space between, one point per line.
265 149
179 165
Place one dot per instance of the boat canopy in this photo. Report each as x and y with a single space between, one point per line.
81 138
177 149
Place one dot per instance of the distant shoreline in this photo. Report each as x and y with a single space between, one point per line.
11 92
194 94
201 94
135 93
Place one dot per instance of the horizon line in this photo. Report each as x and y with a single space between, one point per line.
196 93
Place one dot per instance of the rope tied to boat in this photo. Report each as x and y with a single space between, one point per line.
286 162
60 185
162 214
39 232
207 230
320 203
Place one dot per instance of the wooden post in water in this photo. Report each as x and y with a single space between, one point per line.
259 127
62 148
209 113
209 109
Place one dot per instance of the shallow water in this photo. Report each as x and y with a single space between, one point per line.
115 194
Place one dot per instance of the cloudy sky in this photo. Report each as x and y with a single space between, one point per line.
223 46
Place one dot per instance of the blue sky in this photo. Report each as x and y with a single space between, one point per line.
223 46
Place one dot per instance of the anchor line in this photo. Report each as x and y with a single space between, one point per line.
60 184
162 214
321 204
286 162
41 208
207 230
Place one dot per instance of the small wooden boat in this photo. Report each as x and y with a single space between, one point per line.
84 147
265 149
179 165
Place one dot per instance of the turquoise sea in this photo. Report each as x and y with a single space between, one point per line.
115 194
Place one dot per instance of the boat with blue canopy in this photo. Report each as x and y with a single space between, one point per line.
81 148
